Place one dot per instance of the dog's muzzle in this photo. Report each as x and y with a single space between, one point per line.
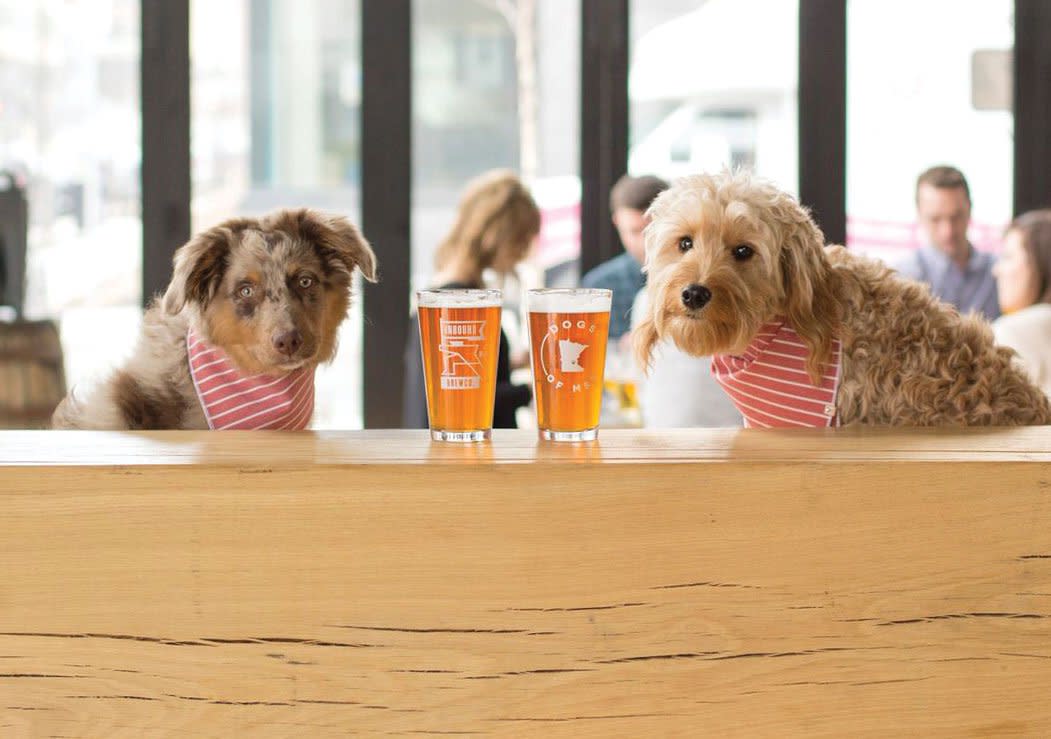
287 342
696 296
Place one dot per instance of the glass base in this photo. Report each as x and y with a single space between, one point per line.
585 435
461 436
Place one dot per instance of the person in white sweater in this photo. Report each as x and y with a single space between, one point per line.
1023 279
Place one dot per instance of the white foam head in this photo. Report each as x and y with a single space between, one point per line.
459 298
569 300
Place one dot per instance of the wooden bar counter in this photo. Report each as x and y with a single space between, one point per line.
694 583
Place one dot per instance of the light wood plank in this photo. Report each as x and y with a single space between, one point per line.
724 583
282 449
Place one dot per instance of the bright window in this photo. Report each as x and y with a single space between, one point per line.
70 132
709 87
276 105
941 97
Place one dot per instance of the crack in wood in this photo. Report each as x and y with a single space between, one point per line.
114 697
583 718
705 584
206 642
648 657
27 708
577 608
217 640
742 655
854 620
975 614
551 670
540 671
898 680
122 637
801 653
298 701
814 682
431 630
329 703
35 674
314 642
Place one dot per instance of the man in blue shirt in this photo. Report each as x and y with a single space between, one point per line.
628 201
955 271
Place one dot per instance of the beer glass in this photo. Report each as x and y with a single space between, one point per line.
567 340
460 343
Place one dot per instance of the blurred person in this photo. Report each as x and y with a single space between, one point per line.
1023 278
679 391
956 272
629 199
496 223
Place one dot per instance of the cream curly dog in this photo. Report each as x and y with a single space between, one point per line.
803 335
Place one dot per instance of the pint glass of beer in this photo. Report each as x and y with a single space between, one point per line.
460 342
567 340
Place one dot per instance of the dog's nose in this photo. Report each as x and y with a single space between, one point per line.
696 296
288 342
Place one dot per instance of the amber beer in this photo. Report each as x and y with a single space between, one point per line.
460 343
567 336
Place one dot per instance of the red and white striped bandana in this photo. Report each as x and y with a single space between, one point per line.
769 383
232 400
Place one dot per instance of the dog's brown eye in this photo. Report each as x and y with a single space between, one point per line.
743 252
246 291
685 243
306 282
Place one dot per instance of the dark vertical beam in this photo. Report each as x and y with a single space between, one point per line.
603 123
14 232
386 164
823 114
165 100
1032 105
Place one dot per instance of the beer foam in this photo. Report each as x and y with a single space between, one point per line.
569 301
459 298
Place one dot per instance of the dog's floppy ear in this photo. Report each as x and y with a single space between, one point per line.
339 243
199 267
348 247
810 300
644 337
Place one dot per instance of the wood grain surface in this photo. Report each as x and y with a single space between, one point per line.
700 583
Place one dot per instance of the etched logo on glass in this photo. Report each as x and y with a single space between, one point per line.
461 348
569 355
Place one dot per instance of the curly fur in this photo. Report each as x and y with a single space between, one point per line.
154 389
908 359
